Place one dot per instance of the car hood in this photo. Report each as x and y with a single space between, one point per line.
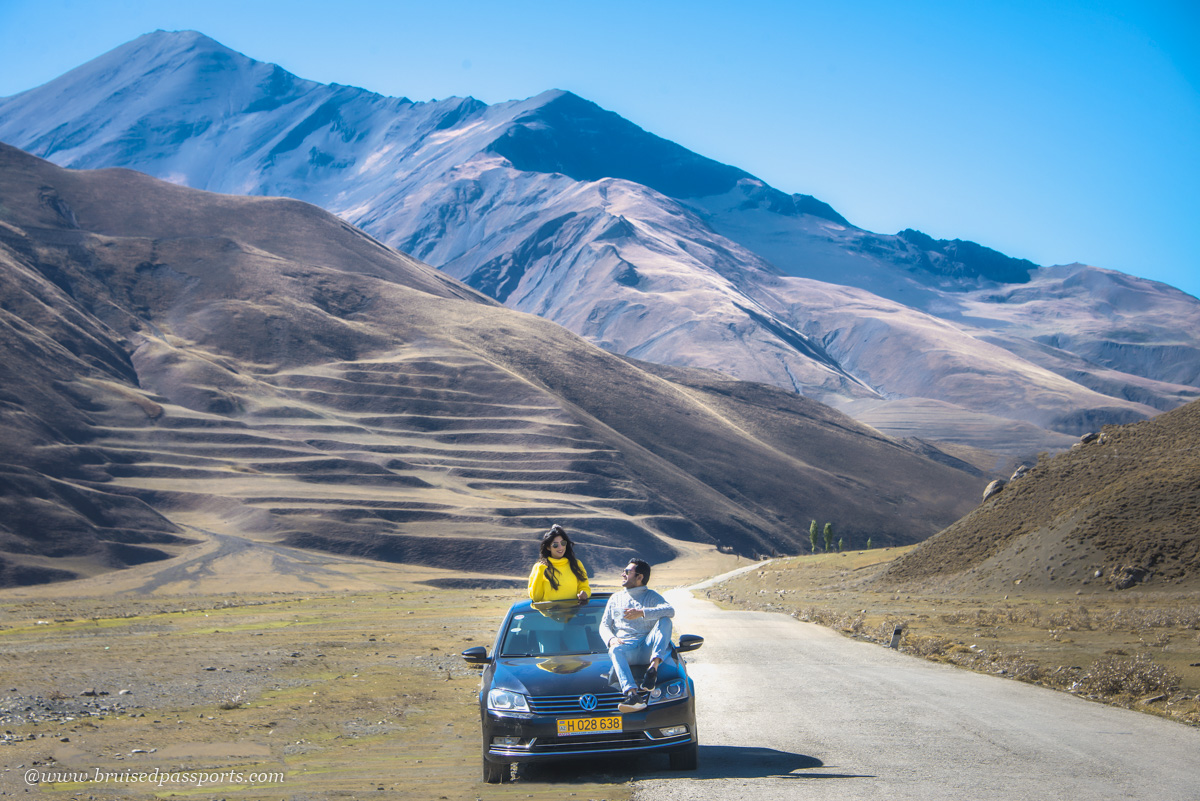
561 675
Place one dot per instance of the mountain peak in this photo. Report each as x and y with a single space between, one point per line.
561 132
160 46
960 258
188 37
807 204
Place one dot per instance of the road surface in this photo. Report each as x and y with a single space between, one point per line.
790 710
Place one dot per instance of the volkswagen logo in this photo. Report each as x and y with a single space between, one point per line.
588 702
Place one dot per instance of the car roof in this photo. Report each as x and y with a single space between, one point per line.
595 600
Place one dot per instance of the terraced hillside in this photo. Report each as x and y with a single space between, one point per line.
177 362
443 446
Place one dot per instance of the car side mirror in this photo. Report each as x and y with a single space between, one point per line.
476 656
689 642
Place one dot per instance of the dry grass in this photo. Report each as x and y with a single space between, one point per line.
1136 648
346 694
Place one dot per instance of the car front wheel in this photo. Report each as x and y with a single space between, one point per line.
495 772
685 758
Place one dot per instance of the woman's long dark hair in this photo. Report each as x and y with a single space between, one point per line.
544 556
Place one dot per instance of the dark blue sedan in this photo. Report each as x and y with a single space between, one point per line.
549 692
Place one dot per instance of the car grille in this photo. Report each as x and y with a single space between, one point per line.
591 742
569 704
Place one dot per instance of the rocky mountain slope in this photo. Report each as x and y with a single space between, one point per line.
1120 509
175 360
557 207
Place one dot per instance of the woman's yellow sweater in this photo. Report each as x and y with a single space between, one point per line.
568 585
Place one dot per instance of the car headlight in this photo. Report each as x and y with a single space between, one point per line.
507 701
672 691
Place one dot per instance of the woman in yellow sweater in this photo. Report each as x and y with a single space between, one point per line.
558 575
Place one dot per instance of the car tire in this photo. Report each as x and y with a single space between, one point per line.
685 758
496 772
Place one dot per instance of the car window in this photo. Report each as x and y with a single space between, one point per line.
554 628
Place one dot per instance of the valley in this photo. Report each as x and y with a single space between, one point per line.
343 674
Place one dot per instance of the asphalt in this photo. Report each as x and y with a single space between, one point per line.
791 710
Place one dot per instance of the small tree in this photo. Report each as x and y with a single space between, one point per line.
812 536
841 544
828 537
868 543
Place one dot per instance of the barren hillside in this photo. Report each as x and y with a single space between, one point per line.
257 367
1119 510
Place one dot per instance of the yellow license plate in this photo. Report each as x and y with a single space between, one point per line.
569 726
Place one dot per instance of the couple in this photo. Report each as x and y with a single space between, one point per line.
637 620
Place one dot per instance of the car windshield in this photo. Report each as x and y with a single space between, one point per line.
555 628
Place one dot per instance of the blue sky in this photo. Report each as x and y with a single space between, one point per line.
1057 132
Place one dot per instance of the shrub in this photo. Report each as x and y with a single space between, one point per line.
1135 619
929 646
1024 615
1021 668
1078 619
1138 675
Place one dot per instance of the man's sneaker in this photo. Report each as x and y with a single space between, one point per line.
650 678
634 702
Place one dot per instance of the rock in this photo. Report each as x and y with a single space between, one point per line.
1126 577
994 488
1019 472
1086 438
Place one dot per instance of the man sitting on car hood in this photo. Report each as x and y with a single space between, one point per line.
637 628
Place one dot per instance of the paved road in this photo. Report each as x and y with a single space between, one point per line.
790 710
